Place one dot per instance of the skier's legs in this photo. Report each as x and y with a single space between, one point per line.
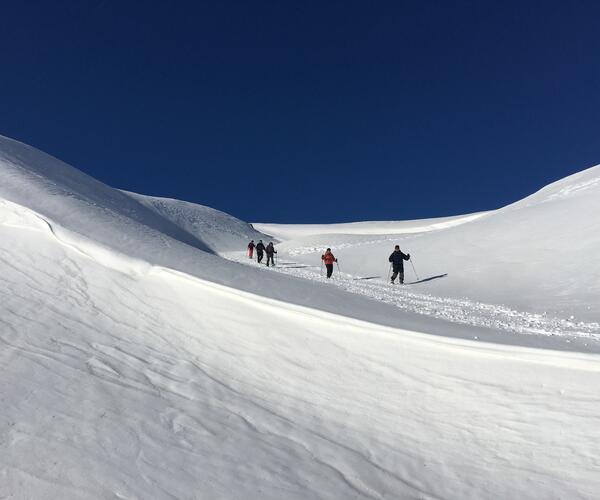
398 272
259 256
329 270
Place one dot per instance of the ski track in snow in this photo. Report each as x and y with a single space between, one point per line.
311 249
463 311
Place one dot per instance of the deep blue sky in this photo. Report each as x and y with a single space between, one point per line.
309 111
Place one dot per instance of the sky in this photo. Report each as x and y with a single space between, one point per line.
281 111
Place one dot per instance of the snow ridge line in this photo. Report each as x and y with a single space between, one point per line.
75 241
566 359
361 228
139 268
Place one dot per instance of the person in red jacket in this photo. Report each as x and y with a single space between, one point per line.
328 258
251 246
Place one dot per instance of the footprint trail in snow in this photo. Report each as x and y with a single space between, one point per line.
407 298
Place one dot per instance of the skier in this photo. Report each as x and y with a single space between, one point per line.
270 251
251 246
329 259
260 248
397 259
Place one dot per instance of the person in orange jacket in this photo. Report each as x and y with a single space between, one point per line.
328 258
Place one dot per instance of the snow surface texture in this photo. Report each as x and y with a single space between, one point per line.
217 230
128 369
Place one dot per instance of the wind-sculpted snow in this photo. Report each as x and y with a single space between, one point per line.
135 362
217 230
114 228
151 383
83 204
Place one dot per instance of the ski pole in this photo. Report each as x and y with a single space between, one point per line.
389 271
338 266
321 267
418 279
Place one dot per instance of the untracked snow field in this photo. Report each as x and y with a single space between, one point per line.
137 362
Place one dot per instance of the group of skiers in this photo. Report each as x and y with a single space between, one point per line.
261 250
396 259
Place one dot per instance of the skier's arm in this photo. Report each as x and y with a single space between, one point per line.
406 256
391 259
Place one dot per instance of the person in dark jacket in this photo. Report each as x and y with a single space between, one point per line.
260 248
328 258
397 259
270 251
251 246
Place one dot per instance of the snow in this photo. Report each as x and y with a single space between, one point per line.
217 230
537 255
294 231
137 362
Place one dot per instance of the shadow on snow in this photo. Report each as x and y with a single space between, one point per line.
427 279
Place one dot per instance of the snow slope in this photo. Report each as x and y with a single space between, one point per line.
537 255
128 370
108 225
220 232
294 231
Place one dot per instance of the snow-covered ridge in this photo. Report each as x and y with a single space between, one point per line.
217 230
90 208
292 231
530 256
136 362
130 232
580 184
